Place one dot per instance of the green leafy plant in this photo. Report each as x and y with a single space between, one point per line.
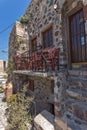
24 19
19 113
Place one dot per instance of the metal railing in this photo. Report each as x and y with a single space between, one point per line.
38 60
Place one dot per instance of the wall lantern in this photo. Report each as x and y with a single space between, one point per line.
55 6
57 9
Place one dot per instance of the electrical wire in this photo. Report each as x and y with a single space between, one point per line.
6 28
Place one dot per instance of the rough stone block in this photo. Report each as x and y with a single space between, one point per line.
74 72
61 125
44 121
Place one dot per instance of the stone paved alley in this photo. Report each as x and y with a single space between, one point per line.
3 106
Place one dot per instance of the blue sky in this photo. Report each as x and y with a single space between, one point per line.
10 11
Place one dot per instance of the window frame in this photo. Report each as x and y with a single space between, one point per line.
34 44
45 34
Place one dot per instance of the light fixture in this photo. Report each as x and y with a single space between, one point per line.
55 6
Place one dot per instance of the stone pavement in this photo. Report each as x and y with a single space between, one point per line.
3 121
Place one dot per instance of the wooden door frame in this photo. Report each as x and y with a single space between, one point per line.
68 14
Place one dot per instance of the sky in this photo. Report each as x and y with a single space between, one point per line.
10 11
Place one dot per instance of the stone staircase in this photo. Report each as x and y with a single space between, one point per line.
75 104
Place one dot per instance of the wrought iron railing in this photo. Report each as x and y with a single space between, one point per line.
38 60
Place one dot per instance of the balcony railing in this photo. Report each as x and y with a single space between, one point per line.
39 60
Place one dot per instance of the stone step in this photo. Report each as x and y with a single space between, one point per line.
78 73
79 109
70 122
77 78
78 82
74 122
77 93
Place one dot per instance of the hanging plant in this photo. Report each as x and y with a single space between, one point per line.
24 19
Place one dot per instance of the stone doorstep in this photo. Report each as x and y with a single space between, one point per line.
44 121
73 94
70 122
77 79
77 73
74 72
79 109
61 124
77 93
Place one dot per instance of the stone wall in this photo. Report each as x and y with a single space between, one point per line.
18 43
22 38
18 39
43 92
19 81
67 98
42 15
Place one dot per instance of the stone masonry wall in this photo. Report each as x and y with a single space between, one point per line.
18 43
61 82
18 39
43 93
42 15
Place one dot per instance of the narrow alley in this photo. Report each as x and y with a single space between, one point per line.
3 121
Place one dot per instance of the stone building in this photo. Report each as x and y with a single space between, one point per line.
43 21
3 65
18 43
18 40
57 61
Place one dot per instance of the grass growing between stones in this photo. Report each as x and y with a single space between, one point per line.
19 111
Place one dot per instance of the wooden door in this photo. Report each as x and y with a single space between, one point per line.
78 38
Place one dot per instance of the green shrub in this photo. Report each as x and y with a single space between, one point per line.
19 115
24 19
12 99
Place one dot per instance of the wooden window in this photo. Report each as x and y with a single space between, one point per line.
34 44
48 38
